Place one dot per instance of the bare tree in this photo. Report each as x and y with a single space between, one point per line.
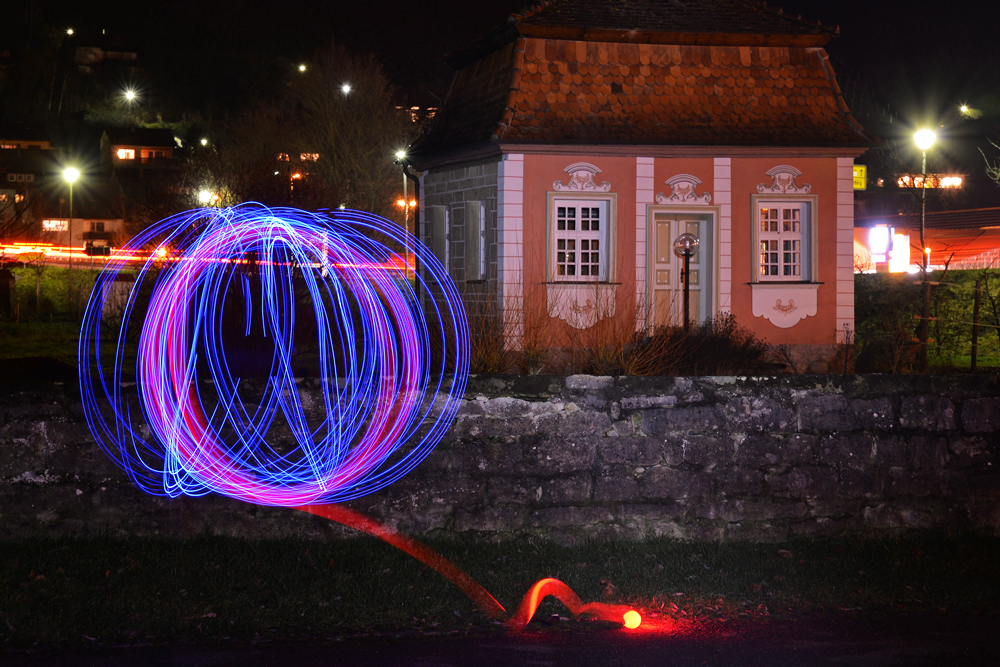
330 142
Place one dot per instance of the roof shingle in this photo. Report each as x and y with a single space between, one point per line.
551 90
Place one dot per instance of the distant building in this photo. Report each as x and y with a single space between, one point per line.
134 150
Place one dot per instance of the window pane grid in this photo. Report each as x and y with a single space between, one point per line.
578 245
781 238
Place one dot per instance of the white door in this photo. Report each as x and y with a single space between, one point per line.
666 278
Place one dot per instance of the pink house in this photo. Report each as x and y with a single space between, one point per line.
584 136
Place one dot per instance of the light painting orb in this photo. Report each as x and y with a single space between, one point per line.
391 344
632 619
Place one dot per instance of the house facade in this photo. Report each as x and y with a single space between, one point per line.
584 137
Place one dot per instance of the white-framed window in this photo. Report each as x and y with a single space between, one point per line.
97 226
579 240
125 153
783 234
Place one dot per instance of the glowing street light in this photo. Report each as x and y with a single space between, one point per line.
346 88
71 174
129 96
924 139
969 112
204 142
69 31
302 68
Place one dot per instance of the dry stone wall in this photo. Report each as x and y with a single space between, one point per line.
581 457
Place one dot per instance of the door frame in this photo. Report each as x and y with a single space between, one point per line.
714 213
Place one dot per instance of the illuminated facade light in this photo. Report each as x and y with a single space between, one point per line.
879 240
935 181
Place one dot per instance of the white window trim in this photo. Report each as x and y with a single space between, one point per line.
809 248
607 236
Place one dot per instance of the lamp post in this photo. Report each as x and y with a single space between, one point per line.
685 246
405 204
71 174
924 140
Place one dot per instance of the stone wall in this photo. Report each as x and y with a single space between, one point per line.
590 457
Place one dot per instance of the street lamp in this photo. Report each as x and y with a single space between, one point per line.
71 174
924 140
685 246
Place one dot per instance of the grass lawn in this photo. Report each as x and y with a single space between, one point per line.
40 339
109 591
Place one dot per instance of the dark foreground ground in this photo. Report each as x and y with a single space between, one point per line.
828 639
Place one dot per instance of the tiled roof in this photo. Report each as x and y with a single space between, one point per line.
704 17
475 104
638 93
549 90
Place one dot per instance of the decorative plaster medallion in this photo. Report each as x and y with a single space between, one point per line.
580 306
783 304
683 191
783 181
581 179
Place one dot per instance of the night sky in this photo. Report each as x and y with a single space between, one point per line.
921 54
915 59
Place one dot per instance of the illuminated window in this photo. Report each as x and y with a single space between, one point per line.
54 225
18 199
126 153
309 157
283 157
579 244
783 240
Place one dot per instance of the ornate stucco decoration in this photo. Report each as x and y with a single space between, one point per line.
581 179
683 191
783 182
783 304
582 305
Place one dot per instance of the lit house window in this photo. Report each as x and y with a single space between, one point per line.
783 241
125 153
54 225
579 247
309 157
282 157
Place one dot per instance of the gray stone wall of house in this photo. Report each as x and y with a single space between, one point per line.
457 188
581 457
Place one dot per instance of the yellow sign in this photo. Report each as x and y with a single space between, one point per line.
860 177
